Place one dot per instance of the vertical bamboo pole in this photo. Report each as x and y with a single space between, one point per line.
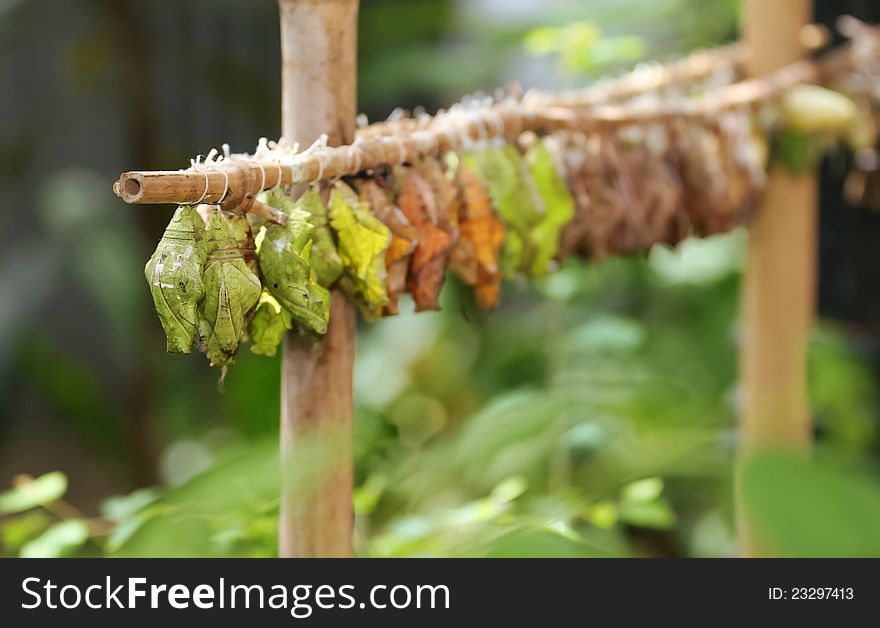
319 55
779 287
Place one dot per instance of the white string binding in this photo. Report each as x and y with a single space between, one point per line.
207 185
280 176
320 158
225 184
318 144
354 154
196 165
259 153
291 158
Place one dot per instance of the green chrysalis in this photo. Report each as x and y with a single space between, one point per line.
174 274
231 289
285 254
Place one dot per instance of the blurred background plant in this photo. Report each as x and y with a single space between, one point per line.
593 414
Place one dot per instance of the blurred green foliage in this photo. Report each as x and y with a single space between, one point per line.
808 510
614 439
581 47
618 405
592 414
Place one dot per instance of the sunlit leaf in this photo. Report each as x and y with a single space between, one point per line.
122 507
60 540
645 490
32 493
649 514
700 260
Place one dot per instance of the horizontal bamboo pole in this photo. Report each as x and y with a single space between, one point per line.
645 78
652 77
234 182
649 77
209 184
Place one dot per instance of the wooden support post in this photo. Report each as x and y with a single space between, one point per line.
319 50
779 287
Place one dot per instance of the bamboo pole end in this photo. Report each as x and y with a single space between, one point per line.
129 187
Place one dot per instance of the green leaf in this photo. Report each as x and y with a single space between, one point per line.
799 152
60 540
528 543
122 507
363 240
285 254
125 531
243 486
37 492
802 509
641 491
231 290
608 334
582 48
16 531
653 514
174 274
268 326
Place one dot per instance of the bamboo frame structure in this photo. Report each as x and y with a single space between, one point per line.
233 183
778 291
319 65
648 78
